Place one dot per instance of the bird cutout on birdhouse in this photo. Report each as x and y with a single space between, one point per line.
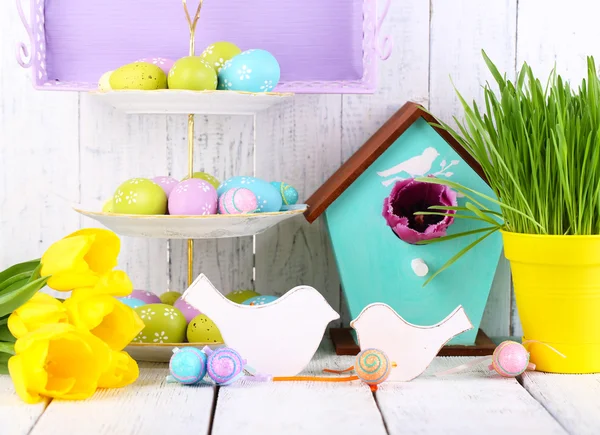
411 347
373 207
279 338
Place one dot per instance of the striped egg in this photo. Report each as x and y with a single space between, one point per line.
237 200
188 365
225 366
510 359
372 366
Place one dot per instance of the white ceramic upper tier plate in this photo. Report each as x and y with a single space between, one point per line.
191 227
176 101
161 352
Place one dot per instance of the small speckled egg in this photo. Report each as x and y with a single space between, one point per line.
188 311
206 177
237 201
289 195
188 365
104 83
143 295
193 197
260 300
161 62
220 52
140 196
138 75
203 330
239 296
132 302
167 183
169 298
250 71
268 197
164 324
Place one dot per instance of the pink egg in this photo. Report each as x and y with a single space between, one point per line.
510 359
193 197
167 183
164 63
237 201
188 311
143 295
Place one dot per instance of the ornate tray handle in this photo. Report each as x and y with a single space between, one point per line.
384 47
22 52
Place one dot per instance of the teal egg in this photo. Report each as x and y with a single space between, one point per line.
268 197
132 302
250 71
260 300
289 195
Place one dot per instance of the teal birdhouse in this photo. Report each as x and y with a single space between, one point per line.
369 206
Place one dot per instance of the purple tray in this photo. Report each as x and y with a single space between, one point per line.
323 46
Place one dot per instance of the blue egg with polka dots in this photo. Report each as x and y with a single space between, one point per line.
260 300
250 71
289 195
132 302
188 365
268 197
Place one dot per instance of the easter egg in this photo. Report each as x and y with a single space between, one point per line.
132 302
268 198
289 195
260 300
206 177
510 359
192 73
193 197
203 330
188 311
164 324
138 75
225 366
188 365
140 196
167 183
161 62
372 366
169 298
108 206
104 82
237 200
143 295
239 296
250 71
220 52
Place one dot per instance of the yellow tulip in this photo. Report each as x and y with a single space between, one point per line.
122 371
104 316
58 361
40 310
80 259
114 283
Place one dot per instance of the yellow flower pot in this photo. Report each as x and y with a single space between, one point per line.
557 287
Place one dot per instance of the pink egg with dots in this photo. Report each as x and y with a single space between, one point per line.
188 311
510 359
193 197
167 183
145 296
237 200
162 62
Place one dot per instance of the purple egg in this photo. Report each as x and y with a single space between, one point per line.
164 63
167 183
188 311
193 197
145 296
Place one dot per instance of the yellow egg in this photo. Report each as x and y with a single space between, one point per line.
104 82
138 75
108 206
203 330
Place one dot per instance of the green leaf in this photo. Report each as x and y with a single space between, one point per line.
455 236
7 348
27 266
481 215
15 279
10 301
5 334
36 273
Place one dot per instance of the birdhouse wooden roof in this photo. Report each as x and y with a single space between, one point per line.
372 150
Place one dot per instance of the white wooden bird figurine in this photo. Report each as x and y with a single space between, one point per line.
417 166
410 346
277 339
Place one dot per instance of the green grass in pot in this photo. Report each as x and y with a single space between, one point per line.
539 147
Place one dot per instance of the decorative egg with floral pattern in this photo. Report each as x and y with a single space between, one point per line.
139 196
193 197
218 53
250 71
161 62
268 198
164 324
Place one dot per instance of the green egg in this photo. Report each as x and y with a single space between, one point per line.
239 296
192 73
138 75
220 52
206 177
164 324
169 298
203 330
139 196
108 206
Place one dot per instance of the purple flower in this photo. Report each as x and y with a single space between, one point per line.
410 196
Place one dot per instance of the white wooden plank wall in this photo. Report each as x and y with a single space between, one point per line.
58 148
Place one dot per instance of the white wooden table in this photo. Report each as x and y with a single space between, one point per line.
473 402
